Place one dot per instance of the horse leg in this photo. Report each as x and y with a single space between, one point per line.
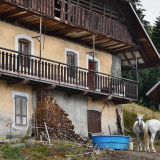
147 145
144 144
152 140
138 142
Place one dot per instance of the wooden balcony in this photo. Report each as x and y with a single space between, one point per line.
42 73
77 16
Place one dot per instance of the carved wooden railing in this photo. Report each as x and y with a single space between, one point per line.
78 16
17 64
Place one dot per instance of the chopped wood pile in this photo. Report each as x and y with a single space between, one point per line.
57 121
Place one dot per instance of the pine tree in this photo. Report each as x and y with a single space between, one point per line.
156 34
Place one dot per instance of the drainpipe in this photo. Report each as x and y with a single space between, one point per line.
40 43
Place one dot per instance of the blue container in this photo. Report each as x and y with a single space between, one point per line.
110 142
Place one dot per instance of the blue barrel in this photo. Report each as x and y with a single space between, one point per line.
110 142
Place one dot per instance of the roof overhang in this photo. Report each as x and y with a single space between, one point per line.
154 93
147 54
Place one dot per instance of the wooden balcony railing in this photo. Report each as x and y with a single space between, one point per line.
78 16
17 64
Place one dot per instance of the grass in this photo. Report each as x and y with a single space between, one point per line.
130 116
58 150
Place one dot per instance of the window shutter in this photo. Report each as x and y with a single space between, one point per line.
18 110
24 111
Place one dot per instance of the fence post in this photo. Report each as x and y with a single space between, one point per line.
47 133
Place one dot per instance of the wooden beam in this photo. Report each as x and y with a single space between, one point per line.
84 36
18 82
132 49
126 58
90 5
24 15
11 12
102 98
145 57
44 86
122 47
123 102
114 45
79 93
109 40
122 20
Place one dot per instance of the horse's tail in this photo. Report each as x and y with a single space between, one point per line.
146 133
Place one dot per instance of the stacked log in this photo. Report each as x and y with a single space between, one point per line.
57 121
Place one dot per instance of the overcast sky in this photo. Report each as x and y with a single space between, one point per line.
152 8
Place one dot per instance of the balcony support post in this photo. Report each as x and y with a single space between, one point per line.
44 86
93 60
18 82
102 98
79 93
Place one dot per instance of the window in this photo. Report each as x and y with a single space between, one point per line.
20 110
24 47
24 44
71 60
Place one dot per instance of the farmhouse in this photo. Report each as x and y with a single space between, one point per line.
76 51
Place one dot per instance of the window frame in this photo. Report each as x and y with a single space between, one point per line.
27 38
72 68
21 94
76 54
20 115
67 50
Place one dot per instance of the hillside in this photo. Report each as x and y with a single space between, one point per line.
130 116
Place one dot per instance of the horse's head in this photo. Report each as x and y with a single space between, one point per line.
140 119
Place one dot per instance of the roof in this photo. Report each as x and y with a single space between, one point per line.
154 93
147 54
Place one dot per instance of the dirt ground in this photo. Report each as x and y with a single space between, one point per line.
134 155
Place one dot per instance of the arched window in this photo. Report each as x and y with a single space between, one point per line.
72 58
24 44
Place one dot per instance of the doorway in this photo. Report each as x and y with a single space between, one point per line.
94 122
92 76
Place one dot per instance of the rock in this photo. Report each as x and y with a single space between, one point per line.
30 143
17 145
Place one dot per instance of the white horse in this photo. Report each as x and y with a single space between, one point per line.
151 129
138 129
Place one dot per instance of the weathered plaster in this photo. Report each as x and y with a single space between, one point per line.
76 107
7 108
109 116
116 66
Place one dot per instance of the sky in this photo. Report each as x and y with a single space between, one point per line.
152 8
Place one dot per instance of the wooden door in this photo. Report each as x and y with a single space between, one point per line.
91 75
94 122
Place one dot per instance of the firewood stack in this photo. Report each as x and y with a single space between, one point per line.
59 125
